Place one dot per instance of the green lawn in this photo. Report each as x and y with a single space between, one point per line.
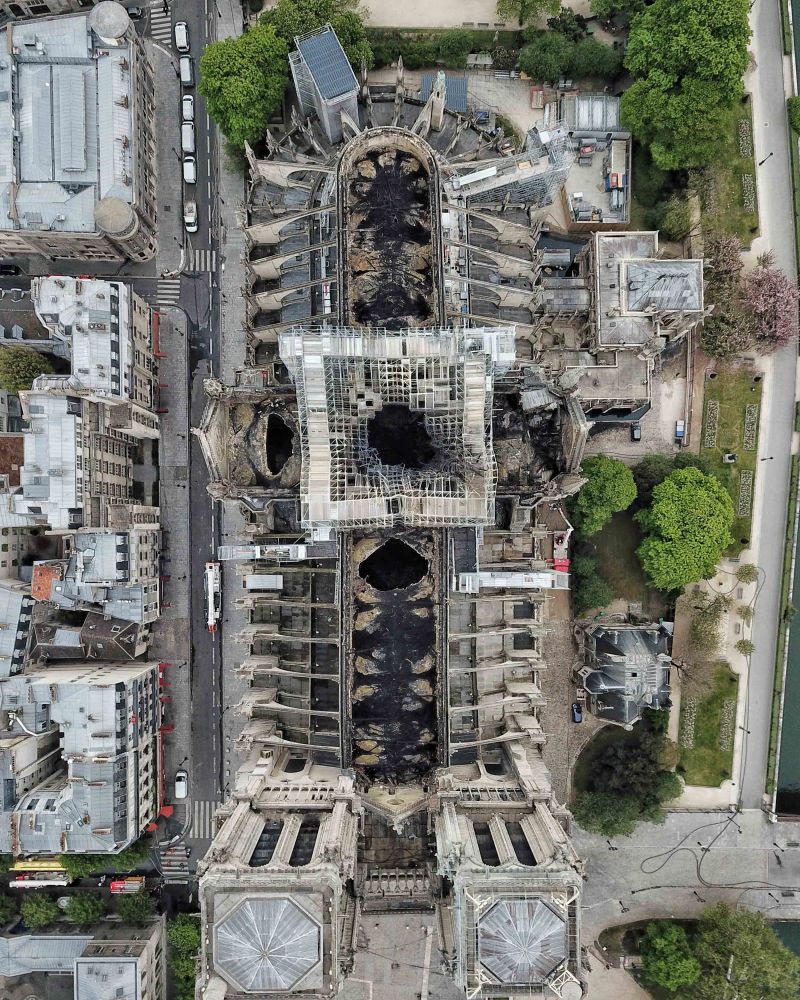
721 188
706 763
733 391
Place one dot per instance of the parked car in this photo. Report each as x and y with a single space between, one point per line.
636 431
135 13
577 712
182 36
190 216
186 68
189 170
187 137
181 784
187 108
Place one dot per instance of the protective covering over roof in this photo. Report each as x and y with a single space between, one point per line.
327 63
267 943
455 95
591 112
521 940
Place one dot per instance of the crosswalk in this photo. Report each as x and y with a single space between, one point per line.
174 863
168 291
202 260
203 827
160 23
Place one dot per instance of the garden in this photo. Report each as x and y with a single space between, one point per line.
707 724
731 410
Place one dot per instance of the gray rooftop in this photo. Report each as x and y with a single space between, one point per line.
64 92
28 953
591 113
521 941
455 98
107 978
327 63
15 616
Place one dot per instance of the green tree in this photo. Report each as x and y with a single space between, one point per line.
606 9
593 58
745 647
453 48
183 935
688 60
82 865
547 56
745 612
728 333
8 909
290 18
6 861
687 528
39 911
747 573
19 366
667 958
740 954
606 813
793 107
609 488
675 218
705 632
568 23
242 79
83 908
591 592
136 908
526 11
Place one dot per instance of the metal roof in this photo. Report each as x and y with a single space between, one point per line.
521 940
107 978
267 943
73 115
455 94
28 953
327 63
15 615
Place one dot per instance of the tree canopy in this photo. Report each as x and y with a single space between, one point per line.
607 813
81 865
8 909
609 488
667 958
526 11
740 953
688 60
183 937
84 908
19 366
242 80
606 9
136 908
770 299
547 56
290 18
39 911
687 528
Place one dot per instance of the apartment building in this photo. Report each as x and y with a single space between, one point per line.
77 162
104 719
40 8
110 332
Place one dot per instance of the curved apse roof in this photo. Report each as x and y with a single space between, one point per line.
266 943
521 940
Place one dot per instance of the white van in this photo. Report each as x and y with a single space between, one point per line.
187 71
181 784
189 170
182 36
187 137
190 216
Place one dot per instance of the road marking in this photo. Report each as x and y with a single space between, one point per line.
203 259
426 965
203 819
160 23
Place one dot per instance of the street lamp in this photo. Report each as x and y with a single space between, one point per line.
762 162
177 154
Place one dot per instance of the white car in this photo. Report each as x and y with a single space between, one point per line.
181 784
187 108
190 216
182 36
189 170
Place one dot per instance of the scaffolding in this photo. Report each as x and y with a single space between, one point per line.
345 376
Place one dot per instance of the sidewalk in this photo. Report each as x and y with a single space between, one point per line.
233 351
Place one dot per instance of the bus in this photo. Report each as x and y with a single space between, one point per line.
213 593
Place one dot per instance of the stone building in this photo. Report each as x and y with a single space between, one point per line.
77 156
389 445
42 8
80 755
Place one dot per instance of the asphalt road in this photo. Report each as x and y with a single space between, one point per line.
774 193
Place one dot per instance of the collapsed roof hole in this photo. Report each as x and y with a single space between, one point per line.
400 437
393 566
279 443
